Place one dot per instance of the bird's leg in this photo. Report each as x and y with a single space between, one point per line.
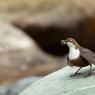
76 72
90 71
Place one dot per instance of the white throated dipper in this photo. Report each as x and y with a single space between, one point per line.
79 56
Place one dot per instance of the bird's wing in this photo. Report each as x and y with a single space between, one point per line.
87 55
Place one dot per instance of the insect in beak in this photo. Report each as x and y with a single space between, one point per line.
63 42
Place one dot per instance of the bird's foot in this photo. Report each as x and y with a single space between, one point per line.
75 74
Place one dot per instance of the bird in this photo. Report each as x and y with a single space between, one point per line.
79 56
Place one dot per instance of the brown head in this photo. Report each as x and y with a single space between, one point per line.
70 42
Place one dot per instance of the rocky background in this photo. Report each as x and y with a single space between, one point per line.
30 34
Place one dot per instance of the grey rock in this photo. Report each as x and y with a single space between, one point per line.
60 83
3 90
18 86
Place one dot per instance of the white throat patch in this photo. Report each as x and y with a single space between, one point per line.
73 52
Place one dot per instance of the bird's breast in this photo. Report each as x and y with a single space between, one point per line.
79 62
74 53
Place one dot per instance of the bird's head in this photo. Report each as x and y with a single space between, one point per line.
71 42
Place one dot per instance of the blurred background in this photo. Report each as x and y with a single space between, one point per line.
30 34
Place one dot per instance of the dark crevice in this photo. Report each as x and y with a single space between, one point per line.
49 37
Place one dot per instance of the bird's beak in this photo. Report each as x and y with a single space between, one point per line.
63 42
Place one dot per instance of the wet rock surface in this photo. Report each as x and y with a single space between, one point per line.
61 83
17 87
